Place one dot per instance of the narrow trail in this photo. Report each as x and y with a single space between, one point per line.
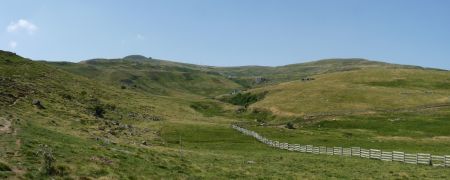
6 129
5 125
17 100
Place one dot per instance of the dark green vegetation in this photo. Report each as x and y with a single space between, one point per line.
126 118
208 108
244 99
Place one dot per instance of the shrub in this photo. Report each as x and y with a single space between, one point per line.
4 167
290 125
99 111
245 99
48 166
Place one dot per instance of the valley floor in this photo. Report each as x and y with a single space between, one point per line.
211 150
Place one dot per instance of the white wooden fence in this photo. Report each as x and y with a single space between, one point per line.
419 158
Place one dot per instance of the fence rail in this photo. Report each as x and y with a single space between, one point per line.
396 156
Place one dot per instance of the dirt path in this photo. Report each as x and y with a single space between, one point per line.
5 126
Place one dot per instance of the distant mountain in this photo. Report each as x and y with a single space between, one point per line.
152 75
162 76
300 70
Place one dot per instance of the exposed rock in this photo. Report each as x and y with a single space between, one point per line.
241 109
102 160
150 117
5 125
259 80
235 91
38 104
307 79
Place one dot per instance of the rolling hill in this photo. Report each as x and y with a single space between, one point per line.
83 123
144 118
358 91
294 72
152 76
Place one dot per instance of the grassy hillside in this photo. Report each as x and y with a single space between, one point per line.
359 91
152 76
292 72
90 127
75 121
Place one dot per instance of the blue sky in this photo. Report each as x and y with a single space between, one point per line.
230 32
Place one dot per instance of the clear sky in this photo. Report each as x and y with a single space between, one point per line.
230 32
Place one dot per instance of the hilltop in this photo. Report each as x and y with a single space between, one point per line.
216 80
294 72
152 76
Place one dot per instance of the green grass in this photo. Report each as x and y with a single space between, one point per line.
360 91
293 72
208 108
152 76
237 149
424 132
139 135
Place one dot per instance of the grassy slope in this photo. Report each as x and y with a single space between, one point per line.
67 124
210 148
153 76
359 91
297 71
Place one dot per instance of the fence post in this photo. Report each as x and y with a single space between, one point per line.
417 158
445 161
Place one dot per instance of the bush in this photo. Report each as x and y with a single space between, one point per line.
83 93
245 99
4 167
48 166
99 111
290 125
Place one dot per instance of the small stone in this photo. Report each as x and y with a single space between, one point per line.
38 104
